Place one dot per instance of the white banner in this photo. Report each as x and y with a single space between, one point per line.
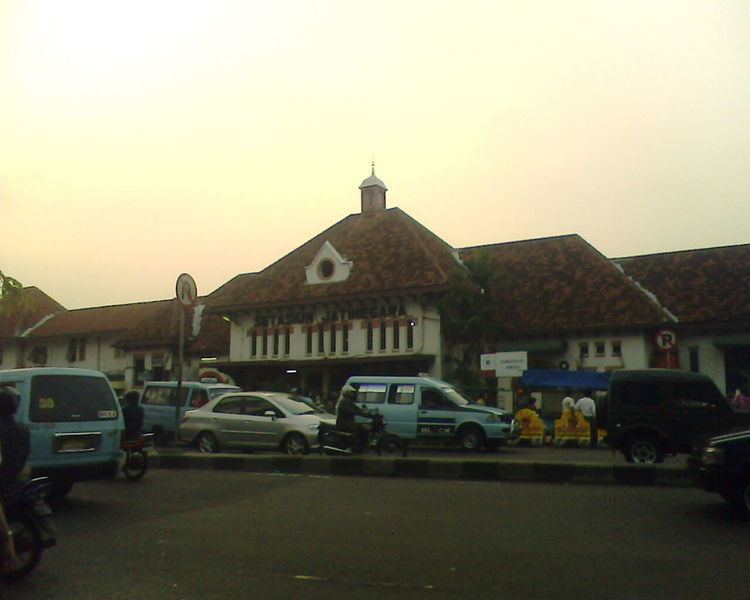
511 364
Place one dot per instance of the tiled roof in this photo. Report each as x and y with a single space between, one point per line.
101 319
563 284
702 285
34 305
162 329
390 252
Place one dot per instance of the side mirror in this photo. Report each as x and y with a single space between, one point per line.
270 413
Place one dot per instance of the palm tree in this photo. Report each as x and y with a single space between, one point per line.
469 318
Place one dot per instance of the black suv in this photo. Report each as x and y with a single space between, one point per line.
653 412
722 465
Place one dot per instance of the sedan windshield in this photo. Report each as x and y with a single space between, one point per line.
455 396
292 406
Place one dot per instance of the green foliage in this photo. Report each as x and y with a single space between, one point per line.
11 299
469 318
469 309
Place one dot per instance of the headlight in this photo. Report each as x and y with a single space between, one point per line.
712 456
313 426
494 419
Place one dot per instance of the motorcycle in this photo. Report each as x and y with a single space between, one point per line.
136 455
334 441
30 520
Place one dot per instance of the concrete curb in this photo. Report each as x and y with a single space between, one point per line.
432 468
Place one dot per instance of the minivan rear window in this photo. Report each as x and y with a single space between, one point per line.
65 398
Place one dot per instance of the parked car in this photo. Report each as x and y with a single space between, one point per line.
74 420
429 409
254 420
653 412
722 465
159 403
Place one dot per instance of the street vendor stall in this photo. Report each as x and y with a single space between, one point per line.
538 407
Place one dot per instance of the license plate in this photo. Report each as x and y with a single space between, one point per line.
73 445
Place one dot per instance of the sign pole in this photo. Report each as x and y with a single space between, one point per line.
181 353
187 294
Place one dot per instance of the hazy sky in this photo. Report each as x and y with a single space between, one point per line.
142 139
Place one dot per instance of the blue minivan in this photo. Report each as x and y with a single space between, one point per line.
159 403
74 421
430 409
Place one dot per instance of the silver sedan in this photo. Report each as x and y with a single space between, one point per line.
253 420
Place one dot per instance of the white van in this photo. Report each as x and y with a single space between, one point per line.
74 421
429 409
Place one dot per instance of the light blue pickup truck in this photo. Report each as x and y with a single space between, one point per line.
430 409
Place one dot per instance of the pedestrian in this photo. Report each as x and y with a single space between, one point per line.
587 406
568 403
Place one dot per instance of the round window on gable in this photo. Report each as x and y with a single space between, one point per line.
326 268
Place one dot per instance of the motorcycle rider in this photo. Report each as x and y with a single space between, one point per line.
132 413
14 449
15 442
346 411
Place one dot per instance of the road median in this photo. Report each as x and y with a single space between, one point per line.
432 468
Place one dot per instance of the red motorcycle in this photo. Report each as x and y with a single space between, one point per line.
136 455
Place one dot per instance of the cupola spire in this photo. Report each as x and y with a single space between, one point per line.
373 193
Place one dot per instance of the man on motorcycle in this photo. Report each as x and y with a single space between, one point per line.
132 414
346 411
14 449
15 441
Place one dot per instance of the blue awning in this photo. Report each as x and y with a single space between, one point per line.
574 380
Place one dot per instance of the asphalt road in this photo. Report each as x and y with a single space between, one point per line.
189 535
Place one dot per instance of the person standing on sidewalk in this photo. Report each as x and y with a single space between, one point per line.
587 406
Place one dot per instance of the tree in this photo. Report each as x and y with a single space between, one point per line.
10 294
469 318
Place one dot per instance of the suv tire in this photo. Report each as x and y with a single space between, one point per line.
643 449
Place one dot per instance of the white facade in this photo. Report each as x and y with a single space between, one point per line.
710 358
398 328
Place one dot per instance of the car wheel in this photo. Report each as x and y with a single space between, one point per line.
295 444
644 450
207 442
472 438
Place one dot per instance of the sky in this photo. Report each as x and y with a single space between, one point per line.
143 139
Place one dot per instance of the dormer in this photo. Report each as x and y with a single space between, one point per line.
328 266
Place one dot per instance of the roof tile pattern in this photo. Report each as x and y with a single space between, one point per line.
101 319
390 251
162 329
560 284
34 306
702 285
